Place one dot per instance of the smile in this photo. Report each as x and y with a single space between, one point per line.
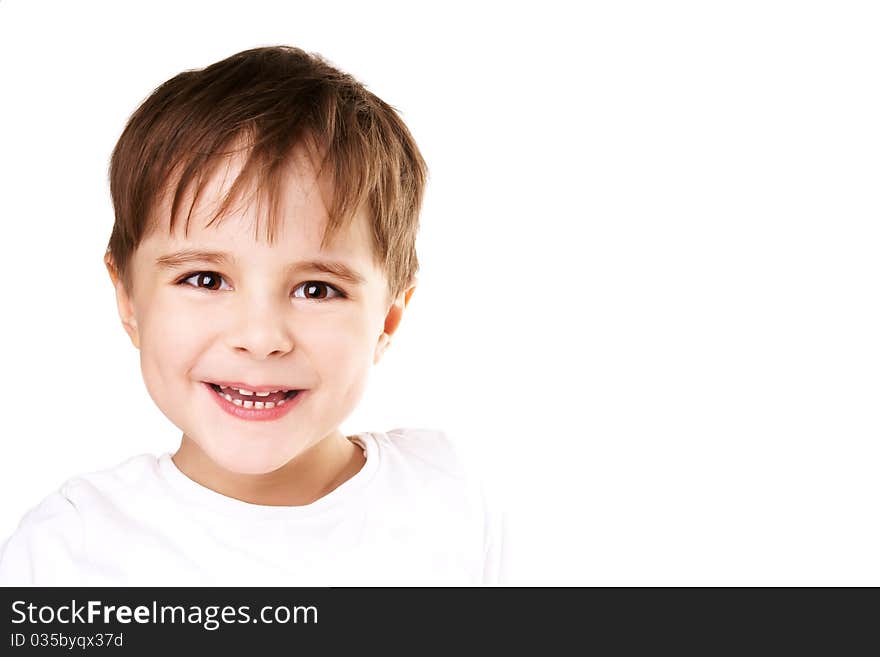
256 406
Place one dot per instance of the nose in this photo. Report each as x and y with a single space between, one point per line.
261 329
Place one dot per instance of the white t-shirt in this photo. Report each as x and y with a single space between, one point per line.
413 515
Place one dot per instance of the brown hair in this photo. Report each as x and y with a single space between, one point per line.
271 99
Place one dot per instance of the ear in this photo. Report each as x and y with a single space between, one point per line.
392 321
123 303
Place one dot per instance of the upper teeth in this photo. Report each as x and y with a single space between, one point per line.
248 392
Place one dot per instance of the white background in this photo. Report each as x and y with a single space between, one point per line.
648 300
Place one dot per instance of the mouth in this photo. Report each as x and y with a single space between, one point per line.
245 398
255 406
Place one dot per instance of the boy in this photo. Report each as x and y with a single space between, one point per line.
257 344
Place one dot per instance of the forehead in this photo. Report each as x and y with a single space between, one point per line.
303 211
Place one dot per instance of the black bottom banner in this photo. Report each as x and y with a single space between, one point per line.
412 620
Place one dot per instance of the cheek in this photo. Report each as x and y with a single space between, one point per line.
340 348
172 338
342 355
179 328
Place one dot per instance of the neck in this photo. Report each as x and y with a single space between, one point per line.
311 475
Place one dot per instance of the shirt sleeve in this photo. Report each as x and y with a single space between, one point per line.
46 537
490 503
495 569
497 544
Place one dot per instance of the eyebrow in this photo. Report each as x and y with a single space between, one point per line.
191 256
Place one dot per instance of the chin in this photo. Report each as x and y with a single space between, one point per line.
256 466
240 460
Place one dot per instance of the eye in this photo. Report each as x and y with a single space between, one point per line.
212 277
316 288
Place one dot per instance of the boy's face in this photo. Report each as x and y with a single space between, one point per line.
257 320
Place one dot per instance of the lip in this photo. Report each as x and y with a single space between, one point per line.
255 414
247 386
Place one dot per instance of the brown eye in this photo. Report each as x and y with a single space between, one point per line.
314 290
213 281
318 291
208 280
